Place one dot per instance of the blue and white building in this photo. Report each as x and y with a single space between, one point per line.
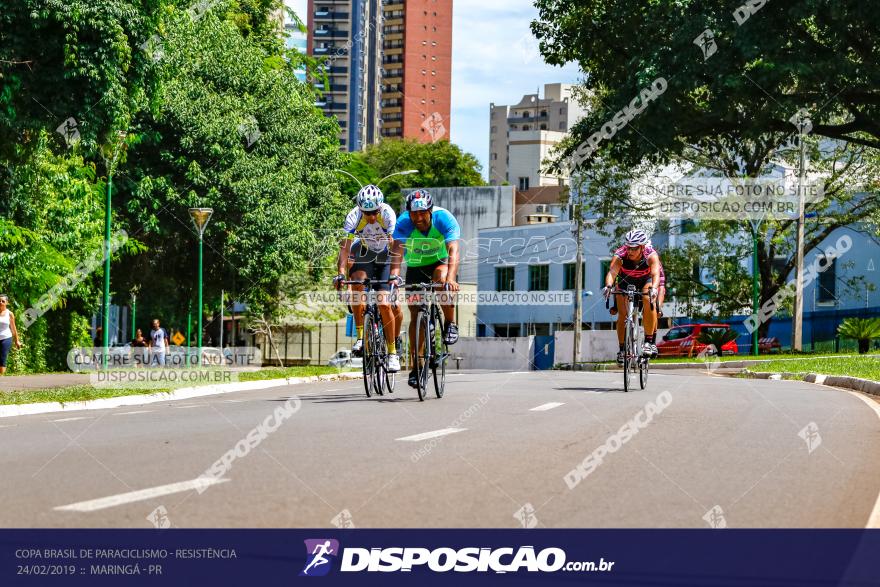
541 257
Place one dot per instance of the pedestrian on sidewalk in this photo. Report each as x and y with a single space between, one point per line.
139 345
158 343
8 332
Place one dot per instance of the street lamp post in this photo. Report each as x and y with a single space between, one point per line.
200 217
360 183
105 321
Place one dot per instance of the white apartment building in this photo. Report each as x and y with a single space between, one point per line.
522 136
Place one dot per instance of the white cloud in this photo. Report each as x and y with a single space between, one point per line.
494 59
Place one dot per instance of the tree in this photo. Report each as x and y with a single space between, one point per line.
861 329
439 164
784 56
242 138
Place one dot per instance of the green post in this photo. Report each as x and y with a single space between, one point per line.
755 309
133 316
199 307
105 321
189 317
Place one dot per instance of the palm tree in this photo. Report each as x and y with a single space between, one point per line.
717 337
861 329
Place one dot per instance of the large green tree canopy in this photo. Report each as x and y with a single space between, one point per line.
814 54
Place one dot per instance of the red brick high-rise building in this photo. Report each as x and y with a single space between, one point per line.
417 63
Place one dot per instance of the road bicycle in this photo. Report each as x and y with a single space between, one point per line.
377 377
430 348
633 341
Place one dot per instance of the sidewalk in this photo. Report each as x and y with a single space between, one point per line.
46 381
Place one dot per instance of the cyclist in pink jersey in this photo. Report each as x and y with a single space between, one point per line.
636 264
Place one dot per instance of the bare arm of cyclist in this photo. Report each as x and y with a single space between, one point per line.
654 266
613 270
396 257
452 248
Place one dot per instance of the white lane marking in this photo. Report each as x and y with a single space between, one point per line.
232 401
134 412
186 407
6 426
71 419
874 519
545 407
141 495
433 434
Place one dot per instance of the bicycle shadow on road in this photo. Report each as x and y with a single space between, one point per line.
596 389
341 398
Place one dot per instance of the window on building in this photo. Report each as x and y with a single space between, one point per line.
526 127
543 127
827 282
539 277
568 275
562 111
506 330
688 225
543 113
494 128
494 156
779 265
504 278
562 125
525 114
523 184
604 266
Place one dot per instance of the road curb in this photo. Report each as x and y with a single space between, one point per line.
743 364
178 394
844 381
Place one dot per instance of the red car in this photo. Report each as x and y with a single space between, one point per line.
681 341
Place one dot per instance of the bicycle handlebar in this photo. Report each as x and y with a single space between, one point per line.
626 292
426 285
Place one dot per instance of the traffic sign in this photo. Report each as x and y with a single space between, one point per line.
178 338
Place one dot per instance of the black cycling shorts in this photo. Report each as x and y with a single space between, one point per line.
423 274
377 266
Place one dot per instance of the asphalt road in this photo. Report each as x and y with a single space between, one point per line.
720 452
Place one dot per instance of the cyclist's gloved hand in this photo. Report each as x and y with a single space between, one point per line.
653 294
337 281
606 291
396 280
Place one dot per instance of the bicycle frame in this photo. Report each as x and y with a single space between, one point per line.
633 357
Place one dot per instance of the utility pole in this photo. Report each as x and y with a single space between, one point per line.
578 277
803 123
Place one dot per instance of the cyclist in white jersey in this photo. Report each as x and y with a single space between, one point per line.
364 254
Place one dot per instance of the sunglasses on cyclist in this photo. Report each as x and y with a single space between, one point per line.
634 248
372 213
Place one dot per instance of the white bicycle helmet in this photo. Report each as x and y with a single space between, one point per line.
370 198
419 200
636 238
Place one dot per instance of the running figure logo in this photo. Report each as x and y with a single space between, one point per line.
320 554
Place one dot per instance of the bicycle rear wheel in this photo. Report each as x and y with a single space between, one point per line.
423 354
368 355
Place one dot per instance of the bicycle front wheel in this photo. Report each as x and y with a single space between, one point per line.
438 366
379 366
629 356
423 354
643 372
368 355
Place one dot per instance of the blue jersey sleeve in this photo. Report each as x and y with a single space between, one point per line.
447 225
404 228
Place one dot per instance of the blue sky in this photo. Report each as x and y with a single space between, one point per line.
494 59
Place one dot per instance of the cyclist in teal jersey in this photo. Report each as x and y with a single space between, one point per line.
427 238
